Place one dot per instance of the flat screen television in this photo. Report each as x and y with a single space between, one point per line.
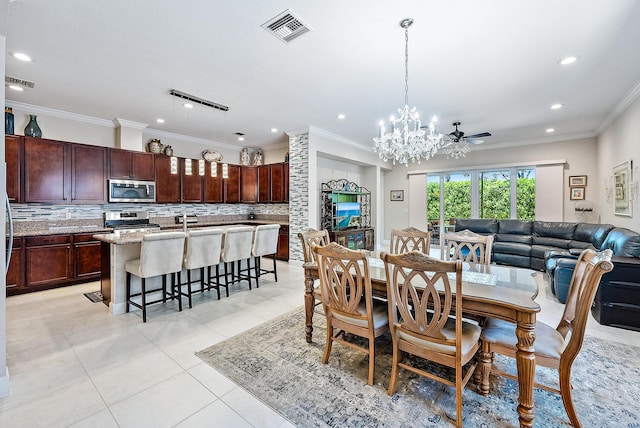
347 215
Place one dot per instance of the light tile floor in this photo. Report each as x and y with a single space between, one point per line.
73 364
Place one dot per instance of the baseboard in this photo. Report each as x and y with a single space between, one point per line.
4 384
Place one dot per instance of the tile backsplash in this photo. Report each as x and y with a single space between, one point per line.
44 212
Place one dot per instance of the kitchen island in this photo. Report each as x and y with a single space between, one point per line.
117 249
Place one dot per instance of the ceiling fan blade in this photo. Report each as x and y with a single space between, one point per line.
483 134
474 141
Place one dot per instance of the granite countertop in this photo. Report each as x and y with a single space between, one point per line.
64 227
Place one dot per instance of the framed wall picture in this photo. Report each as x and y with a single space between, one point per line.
621 179
577 181
397 195
577 193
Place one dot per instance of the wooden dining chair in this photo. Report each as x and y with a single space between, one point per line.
468 246
308 239
409 239
421 298
348 301
554 348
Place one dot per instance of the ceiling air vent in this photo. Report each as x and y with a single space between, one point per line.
13 81
286 26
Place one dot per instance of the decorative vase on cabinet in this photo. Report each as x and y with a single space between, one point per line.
32 129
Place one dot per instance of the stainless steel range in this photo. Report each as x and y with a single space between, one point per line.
129 221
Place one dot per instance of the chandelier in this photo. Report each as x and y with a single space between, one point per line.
407 140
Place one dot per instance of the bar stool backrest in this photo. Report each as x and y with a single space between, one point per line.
237 243
161 253
203 248
265 240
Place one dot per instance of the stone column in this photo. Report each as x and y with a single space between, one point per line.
298 192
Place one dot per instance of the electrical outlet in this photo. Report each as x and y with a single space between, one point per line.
67 215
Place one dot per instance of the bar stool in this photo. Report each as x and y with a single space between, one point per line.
202 250
160 254
265 243
236 248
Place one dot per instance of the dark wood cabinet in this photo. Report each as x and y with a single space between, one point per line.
276 184
13 156
15 273
49 261
86 256
283 243
213 186
249 184
88 172
61 172
192 181
285 181
47 168
264 184
167 179
129 164
232 184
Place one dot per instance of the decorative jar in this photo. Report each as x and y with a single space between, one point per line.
32 129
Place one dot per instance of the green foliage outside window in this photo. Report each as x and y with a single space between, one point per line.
495 204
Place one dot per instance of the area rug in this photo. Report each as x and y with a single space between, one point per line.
274 363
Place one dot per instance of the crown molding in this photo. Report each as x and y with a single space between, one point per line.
129 123
34 109
339 138
542 140
624 103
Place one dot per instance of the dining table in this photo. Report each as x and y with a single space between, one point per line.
496 291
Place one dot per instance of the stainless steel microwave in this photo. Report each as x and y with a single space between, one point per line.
132 191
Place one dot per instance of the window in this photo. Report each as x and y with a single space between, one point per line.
502 193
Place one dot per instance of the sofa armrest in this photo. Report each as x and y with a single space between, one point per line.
576 251
559 254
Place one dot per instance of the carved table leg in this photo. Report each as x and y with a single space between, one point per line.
483 370
309 301
526 364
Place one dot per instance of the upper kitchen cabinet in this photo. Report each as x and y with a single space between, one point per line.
270 183
192 181
167 179
13 157
276 174
133 165
88 172
249 184
213 183
60 172
285 181
232 184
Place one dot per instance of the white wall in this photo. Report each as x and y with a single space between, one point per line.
618 143
580 156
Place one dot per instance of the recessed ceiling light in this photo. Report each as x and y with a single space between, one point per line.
341 116
240 138
159 120
187 105
568 60
16 87
274 129
550 130
556 106
21 56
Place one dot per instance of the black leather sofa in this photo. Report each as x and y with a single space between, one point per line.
554 247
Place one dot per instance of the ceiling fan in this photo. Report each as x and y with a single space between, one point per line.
457 135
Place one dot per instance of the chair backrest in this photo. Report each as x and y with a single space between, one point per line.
161 253
265 240
203 248
345 282
420 296
312 237
586 277
468 246
237 243
409 239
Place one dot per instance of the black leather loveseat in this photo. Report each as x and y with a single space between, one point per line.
554 247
